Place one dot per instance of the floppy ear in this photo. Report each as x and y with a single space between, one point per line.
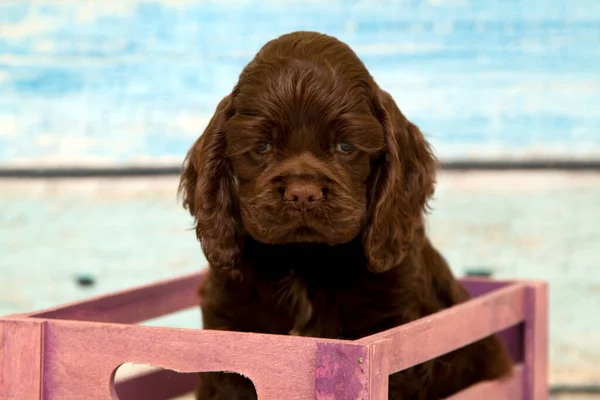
207 187
402 183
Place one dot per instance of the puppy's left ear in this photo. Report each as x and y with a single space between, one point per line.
401 185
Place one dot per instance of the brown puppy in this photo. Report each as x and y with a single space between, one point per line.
309 188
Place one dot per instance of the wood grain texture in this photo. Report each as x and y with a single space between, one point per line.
21 349
133 305
536 341
442 332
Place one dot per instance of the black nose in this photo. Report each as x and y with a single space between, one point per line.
303 195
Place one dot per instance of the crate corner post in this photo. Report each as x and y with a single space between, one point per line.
379 369
351 371
536 342
21 360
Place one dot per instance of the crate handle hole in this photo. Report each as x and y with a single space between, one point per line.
132 381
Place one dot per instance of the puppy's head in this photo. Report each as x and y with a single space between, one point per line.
307 148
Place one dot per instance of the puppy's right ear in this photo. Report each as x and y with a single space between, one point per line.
207 187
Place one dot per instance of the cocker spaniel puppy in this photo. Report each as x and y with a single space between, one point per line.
308 189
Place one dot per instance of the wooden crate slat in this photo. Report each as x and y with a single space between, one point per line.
164 297
513 337
276 364
455 327
502 389
480 286
132 305
21 348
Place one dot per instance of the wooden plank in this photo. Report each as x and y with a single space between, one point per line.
479 286
21 349
156 385
379 370
165 64
160 298
514 339
442 332
501 389
278 365
132 305
536 341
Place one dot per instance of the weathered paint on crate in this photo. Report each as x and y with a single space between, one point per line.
135 81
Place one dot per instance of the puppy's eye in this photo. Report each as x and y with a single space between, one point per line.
262 147
345 147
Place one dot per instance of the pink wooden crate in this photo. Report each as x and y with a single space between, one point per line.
73 351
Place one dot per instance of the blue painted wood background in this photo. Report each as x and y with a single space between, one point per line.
84 82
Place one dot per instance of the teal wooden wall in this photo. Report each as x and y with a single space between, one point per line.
84 82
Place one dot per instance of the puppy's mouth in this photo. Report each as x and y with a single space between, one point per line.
305 231
305 234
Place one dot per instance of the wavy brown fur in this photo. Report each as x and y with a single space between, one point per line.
359 261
